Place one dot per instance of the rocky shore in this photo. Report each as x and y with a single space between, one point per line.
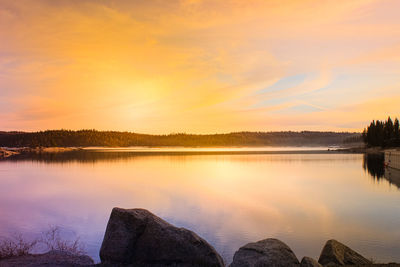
5 153
136 237
9 152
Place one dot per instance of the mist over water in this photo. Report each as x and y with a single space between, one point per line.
303 198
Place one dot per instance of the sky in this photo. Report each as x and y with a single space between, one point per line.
198 66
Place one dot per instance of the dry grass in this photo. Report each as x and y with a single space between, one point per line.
53 241
17 245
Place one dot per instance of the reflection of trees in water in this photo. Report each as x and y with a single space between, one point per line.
93 156
374 164
82 156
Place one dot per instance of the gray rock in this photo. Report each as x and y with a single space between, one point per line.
309 262
52 258
138 237
335 253
268 252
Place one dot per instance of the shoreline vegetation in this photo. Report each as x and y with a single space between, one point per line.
385 134
56 141
94 138
89 153
379 135
375 138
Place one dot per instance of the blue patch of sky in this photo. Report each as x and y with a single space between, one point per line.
341 81
317 97
345 88
302 108
284 83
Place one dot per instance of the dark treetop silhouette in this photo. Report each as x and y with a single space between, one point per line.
382 133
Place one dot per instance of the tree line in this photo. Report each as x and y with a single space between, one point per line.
85 138
382 133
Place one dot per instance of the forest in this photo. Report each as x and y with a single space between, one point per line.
382 133
88 138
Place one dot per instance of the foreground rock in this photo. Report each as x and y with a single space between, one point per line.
52 258
309 262
138 237
267 252
335 253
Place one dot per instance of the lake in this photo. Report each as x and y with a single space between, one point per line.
230 197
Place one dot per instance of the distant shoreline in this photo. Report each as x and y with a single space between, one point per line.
93 138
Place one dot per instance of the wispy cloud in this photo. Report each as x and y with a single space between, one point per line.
196 66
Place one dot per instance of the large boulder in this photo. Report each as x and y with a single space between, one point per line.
52 258
309 262
138 237
267 252
335 253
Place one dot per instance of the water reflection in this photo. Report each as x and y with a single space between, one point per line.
374 164
303 199
115 154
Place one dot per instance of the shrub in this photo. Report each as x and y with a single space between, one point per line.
53 241
17 245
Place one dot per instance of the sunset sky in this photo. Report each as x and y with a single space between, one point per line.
198 66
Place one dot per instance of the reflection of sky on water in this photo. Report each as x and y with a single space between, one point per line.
303 199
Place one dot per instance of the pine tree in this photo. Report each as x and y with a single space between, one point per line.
388 132
396 132
382 133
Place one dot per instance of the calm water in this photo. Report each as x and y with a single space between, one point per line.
229 199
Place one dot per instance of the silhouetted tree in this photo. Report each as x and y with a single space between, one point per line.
382 133
396 130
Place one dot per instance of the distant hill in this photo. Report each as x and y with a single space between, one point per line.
84 138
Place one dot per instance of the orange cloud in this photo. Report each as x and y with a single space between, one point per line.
191 66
